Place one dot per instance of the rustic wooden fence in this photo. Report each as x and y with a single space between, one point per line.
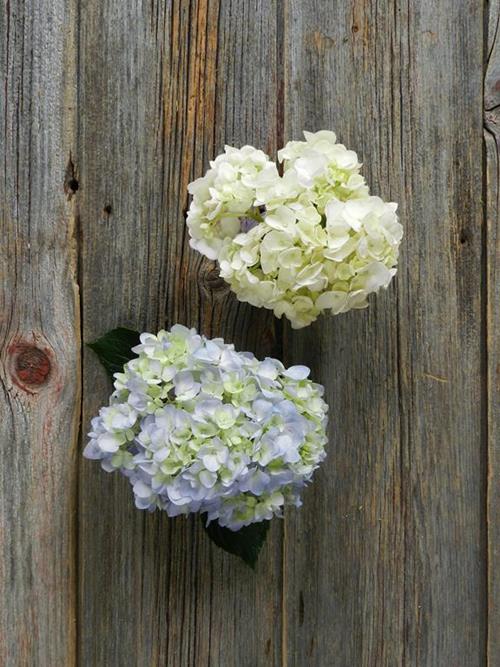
108 109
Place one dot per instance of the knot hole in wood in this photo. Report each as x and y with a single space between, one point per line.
30 365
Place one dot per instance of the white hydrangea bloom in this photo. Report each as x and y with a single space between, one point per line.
226 194
308 241
298 264
199 427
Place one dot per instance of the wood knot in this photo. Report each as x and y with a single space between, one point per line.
212 283
268 337
31 365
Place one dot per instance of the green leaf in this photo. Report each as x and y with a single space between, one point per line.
114 349
245 543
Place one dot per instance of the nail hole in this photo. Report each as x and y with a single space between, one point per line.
71 184
108 209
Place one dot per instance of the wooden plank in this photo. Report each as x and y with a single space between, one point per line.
39 335
162 87
385 563
492 245
344 549
441 299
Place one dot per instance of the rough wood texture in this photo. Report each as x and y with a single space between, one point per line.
108 110
39 336
492 298
399 576
163 86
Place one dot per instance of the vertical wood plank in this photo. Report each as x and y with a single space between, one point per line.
441 332
162 87
385 564
344 550
492 244
39 335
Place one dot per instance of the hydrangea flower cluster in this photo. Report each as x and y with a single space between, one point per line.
309 240
199 427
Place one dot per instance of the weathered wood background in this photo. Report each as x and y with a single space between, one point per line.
107 110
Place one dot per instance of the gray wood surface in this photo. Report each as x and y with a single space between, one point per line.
492 324
39 335
399 578
107 111
162 88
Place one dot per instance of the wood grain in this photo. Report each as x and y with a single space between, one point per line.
39 336
492 298
384 563
107 111
345 549
162 87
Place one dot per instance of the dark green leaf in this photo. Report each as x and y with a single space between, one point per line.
114 349
245 543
